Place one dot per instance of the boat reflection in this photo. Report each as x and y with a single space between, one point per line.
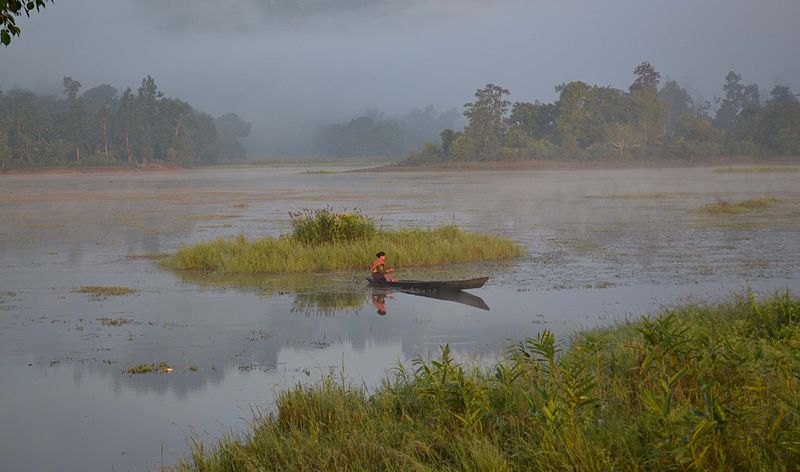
379 296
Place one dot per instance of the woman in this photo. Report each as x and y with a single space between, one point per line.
379 271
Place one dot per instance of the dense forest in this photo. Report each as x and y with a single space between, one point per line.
647 121
99 127
373 134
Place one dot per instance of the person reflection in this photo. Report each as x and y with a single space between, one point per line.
379 300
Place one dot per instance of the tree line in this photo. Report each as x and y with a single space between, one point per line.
99 126
648 120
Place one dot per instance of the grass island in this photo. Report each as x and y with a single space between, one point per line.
324 240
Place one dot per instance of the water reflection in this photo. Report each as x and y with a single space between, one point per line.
380 294
378 299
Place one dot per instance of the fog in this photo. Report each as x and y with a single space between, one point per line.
289 67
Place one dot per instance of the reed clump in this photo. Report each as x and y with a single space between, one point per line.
711 387
326 241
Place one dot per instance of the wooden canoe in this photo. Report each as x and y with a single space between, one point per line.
432 284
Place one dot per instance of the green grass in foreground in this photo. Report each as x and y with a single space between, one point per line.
405 248
725 207
98 291
696 388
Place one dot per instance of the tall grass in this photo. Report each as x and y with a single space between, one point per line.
405 248
696 388
326 226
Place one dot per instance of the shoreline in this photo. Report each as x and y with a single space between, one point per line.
547 165
455 166
93 170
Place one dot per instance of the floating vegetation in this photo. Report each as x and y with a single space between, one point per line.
699 387
103 292
756 170
148 368
726 207
106 321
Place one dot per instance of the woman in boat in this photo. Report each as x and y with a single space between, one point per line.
380 273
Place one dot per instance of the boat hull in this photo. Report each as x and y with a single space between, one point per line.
432 284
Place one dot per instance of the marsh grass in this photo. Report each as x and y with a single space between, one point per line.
726 207
405 248
699 387
102 292
756 170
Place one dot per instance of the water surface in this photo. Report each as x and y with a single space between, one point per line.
602 246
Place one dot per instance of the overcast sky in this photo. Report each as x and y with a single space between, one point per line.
288 66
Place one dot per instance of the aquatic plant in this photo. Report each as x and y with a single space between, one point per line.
405 248
107 321
148 368
100 292
698 387
726 207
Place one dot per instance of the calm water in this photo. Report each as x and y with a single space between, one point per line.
602 246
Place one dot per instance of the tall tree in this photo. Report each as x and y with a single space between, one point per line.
487 125
781 94
647 78
147 96
72 90
677 100
125 122
738 97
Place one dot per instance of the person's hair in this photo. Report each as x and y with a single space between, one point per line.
380 254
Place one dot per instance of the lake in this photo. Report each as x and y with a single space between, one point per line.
602 246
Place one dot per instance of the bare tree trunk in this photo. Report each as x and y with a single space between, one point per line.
128 147
105 139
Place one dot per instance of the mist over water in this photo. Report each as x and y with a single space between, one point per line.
291 67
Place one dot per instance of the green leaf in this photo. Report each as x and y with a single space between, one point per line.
5 38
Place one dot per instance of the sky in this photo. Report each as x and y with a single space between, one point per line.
290 66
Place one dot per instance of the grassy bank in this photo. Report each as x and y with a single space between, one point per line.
405 248
695 388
